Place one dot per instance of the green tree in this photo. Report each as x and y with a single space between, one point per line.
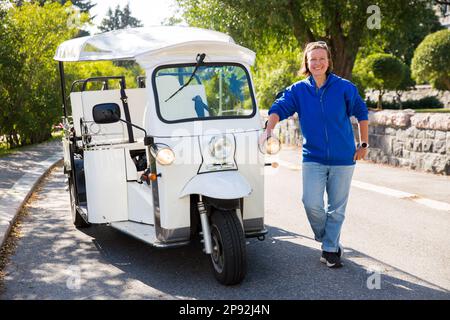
342 23
431 61
275 69
84 70
406 84
83 5
119 19
11 63
402 32
382 72
29 86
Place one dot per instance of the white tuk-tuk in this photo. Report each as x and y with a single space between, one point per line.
177 157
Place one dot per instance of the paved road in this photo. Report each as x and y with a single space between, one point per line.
405 242
17 164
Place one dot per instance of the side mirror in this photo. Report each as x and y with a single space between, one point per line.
106 113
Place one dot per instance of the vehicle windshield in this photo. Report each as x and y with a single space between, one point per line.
216 91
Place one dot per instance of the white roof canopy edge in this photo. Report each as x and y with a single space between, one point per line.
148 43
187 51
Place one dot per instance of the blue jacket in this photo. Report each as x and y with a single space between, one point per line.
324 117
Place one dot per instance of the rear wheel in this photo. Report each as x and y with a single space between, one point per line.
77 219
229 259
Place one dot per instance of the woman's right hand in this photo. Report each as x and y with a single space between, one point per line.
264 136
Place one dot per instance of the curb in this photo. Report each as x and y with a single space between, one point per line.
12 202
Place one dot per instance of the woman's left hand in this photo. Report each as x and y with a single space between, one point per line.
360 154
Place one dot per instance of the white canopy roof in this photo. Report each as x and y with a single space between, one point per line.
127 44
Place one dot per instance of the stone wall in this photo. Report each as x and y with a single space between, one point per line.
420 91
420 141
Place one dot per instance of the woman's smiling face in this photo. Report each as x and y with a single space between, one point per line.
318 62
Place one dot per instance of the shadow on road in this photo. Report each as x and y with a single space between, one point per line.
277 269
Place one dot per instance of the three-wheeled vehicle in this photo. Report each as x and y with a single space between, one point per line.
179 156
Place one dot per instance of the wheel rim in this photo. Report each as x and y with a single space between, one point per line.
217 251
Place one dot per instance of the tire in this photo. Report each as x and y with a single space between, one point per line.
229 258
77 219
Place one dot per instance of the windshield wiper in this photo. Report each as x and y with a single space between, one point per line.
199 59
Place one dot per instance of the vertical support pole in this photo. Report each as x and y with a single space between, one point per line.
126 110
220 92
63 87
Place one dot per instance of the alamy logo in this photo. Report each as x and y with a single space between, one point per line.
74 19
374 279
374 21
74 280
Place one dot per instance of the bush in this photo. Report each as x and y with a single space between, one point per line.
430 102
29 88
379 71
431 61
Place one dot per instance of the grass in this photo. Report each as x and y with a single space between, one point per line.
57 135
440 110
5 151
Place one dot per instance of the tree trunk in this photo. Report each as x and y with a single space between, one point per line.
446 82
380 98
399 99
343 52
343 62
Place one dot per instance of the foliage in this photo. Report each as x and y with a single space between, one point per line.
429 102
275 69
82 70
342 23
29 87
119 19
431 62
83 5
382 72
407 82
402 29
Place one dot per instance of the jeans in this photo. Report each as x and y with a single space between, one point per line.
326 222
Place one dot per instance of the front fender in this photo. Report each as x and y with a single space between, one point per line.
219 185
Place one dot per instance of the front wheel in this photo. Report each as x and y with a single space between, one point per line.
229 259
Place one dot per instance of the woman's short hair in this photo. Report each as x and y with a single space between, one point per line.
304 70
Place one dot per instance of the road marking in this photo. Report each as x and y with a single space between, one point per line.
433 204
382 190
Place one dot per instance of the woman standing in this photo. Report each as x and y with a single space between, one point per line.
324 103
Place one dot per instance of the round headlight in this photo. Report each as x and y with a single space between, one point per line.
164 155
220 147
272 145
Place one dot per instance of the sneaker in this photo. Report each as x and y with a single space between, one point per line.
332 259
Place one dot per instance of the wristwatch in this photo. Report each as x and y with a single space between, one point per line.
363 145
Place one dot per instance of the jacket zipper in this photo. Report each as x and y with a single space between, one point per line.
325 121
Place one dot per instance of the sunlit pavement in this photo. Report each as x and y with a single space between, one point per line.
396 248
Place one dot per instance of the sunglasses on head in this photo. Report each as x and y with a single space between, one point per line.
322 43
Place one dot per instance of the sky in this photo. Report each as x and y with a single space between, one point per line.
149 12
